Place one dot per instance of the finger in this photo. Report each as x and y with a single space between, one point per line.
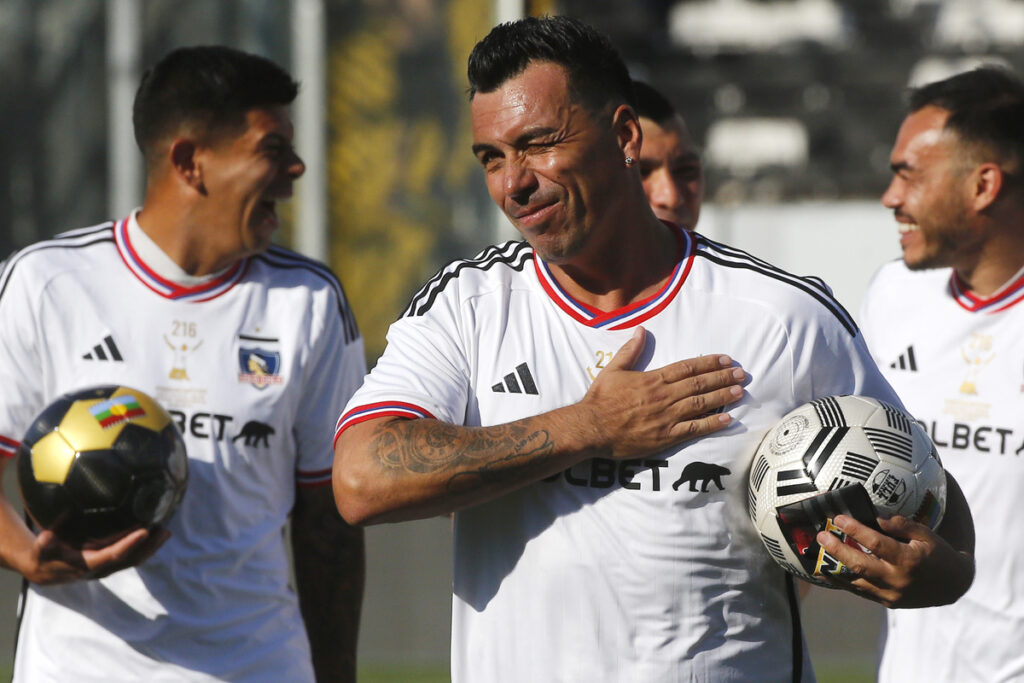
116 552
628 353
46 542
872 540
701 426
870 559
906 529
145 550
862 588
700 404
49 549
701 365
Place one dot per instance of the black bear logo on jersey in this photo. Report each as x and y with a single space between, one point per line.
704 472
255 433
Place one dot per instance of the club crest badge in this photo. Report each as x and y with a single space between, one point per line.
259 366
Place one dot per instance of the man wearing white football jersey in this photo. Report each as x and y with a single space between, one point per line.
946 324
561 395
251 347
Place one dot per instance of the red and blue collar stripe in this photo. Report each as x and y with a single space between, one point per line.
627 316
371 411
8 447
204 291
1006 296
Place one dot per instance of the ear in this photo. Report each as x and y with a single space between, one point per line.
986 184
184 157
626 125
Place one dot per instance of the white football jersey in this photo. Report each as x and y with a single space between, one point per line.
639 570
957 361
254 365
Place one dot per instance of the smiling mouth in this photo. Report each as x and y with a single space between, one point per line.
531 214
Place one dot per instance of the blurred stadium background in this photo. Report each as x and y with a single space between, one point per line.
795 103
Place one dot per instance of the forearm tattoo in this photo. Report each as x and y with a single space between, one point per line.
471 455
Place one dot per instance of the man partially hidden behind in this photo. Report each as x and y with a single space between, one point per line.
551 391
180 296
670 163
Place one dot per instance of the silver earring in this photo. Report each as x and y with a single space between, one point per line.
629 161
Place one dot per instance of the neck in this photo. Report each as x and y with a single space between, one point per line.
625 270
994 264
181 232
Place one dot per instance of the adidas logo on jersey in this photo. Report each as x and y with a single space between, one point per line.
906 361
518 382
105 350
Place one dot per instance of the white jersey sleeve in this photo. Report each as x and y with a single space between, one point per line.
332 374
24 372
21 354
835 362
423 372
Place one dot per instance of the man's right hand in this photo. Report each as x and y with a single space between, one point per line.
390 469
639 413
51 561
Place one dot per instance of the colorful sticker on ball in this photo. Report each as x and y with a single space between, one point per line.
117 410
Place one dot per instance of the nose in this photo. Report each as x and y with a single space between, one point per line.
892 197
662 190
295 166
518 181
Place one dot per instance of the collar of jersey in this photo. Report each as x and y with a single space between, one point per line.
1004 297
204 291
632 314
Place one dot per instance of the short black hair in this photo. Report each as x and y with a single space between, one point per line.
598 76
986 110
651 104
207 88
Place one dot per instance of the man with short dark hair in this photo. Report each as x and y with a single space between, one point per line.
945 324
187 300
555 394
670 163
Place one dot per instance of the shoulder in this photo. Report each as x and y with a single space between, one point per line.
898 295
279 267
67 251
495 268
894 282
741 275
896 274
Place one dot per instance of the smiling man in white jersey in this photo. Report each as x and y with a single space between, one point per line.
561 395
946 326
251 347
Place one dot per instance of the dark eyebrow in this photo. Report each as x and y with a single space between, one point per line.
480 147
524 137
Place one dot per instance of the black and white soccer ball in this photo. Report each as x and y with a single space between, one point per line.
100 462
841 454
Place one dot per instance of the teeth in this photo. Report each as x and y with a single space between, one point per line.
908 227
